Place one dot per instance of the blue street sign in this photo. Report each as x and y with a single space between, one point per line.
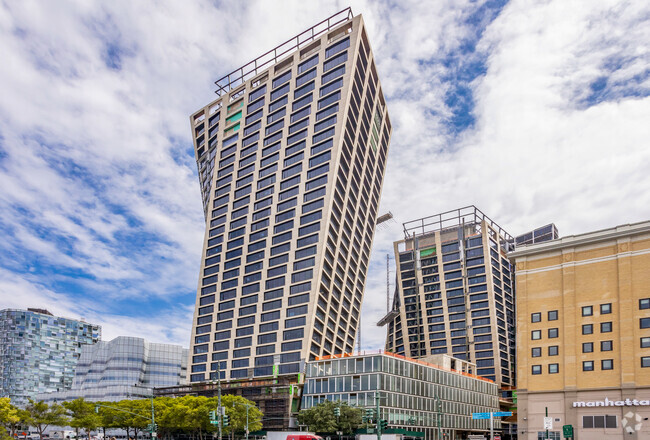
477 416
502 414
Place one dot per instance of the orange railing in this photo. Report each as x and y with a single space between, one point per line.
334 356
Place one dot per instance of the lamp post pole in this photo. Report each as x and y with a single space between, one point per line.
247 407
153 417
546 436
221 412
378 417
439 414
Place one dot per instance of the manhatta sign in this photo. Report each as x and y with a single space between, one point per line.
607 402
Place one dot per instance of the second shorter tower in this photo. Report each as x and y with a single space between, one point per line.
455 293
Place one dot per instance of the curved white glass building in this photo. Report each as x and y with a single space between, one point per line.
124 368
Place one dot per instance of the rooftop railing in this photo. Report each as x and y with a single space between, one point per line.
451 219
263 62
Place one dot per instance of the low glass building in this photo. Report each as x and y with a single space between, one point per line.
39 352
124 368
409 391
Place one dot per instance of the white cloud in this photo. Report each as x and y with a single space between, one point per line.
24 292
535 154
93 158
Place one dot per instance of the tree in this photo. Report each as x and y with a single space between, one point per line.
322 418
236 410
175 416
82 415
167 417
40 415
188 413
10 417
139 422
125 414
131 414
107 415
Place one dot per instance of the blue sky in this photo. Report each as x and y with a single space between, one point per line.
535 111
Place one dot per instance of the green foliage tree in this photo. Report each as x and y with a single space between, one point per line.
82 415
168 418
187 414
321 418
107 415
236 410
139 422
174 416
10 417
40 415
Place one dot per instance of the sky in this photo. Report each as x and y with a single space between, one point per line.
534 111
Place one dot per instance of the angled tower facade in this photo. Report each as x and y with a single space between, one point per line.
291 159
455 293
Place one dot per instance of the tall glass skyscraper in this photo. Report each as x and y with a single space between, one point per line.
39 352
455 293
291 159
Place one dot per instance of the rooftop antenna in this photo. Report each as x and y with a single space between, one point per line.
387 283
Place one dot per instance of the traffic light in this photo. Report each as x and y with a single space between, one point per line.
225 420
383 424
370 413
337 411
213 415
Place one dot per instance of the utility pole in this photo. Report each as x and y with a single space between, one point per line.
439 414
387 283
247 407
221 411
378 416
491 425
153 418
546 436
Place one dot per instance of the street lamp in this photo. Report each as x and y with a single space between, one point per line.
439 414
247 407
221 412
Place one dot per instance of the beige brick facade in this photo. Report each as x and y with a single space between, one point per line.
592 351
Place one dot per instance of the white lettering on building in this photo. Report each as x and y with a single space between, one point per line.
607 402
